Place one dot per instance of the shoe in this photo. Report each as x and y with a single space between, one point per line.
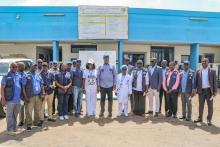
209 123
156 114
110 115
188 119
11 133
20 124
61 118
174 116
51 119
198 120
45 116
168 115
126 115
77 115
66 117
182 117
150 112
28 128
101 115
40 124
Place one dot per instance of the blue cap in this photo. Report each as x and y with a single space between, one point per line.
78 60
74 61
51 62
186 62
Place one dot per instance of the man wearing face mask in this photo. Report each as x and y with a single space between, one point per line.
206 85
140 82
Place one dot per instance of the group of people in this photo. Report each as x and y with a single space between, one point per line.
25 92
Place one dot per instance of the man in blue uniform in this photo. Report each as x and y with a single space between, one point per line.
33 91
11 96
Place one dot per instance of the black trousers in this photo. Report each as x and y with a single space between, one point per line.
109 92
205 95
161 95
139 102
70 103
54 101
172 99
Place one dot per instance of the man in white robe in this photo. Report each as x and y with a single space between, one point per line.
123 90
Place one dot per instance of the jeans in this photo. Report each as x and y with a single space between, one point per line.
12 111
63 104
77 91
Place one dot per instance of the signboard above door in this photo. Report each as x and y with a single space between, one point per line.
102 22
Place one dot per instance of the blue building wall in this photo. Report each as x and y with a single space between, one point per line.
151 25
148 25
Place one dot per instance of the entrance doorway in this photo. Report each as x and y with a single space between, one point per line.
46 53
162 53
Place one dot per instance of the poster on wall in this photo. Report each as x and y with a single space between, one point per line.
102 22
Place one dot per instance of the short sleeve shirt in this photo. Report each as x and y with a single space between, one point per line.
90 77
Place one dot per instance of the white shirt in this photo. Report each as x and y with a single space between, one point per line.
90 77
152 70
205 78
139 81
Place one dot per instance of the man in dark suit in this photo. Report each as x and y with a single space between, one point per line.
155 79
207 89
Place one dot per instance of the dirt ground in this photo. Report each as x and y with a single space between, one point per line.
133 131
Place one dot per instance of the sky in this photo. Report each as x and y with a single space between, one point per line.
192 5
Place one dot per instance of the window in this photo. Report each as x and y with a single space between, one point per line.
210 57
77 48
185 58
162 53
200 58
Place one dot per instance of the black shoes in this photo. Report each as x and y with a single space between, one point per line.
182 117
28 128
110 115
20 124
174 116
198 120
40 124
156 114
209 123
188 119
150 112
51 119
